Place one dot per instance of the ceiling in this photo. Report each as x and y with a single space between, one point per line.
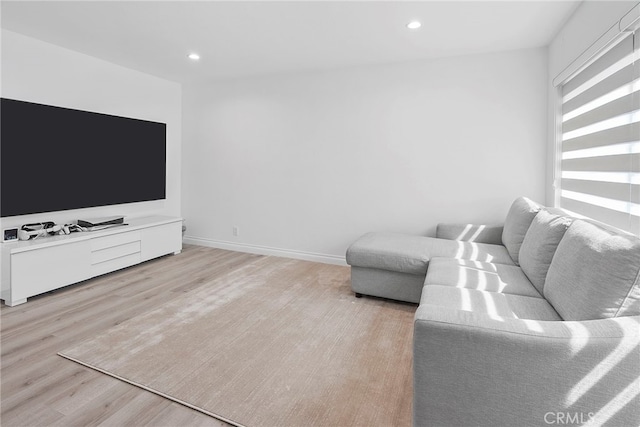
241 38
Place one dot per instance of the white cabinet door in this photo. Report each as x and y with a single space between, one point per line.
161 240
42 270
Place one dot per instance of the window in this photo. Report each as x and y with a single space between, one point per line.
599 165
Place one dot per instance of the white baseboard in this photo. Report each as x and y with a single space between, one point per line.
265 250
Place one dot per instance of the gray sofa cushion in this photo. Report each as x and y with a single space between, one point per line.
389 251
411 254
495 305
594 274
517 223
540 245
483 276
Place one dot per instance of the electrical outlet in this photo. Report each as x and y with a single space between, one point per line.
236 231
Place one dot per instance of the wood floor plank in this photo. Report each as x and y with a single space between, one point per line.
78 394
95 412
139 410
37 415
33 380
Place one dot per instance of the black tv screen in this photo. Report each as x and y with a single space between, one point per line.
55 159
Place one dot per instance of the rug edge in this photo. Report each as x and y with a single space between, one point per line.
159 393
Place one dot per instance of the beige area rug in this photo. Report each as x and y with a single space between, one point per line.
276 342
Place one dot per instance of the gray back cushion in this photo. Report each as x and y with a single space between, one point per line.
594 274
517 223
540 245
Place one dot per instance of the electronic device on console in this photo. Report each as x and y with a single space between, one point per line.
99 222
35 230
10 234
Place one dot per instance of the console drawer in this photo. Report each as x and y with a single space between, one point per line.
115 264
114 240
114 252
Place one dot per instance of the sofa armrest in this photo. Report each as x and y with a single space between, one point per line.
471 233
473 369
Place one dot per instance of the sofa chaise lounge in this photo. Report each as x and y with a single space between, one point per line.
533 322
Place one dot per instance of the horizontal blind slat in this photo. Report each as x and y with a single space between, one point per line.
620 106
613 190
606 150
624 206
610 123
617 219
617 135
618 163
622 177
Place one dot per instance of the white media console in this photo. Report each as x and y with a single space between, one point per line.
34 267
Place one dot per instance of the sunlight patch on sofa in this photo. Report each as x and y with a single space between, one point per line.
622 399
469 234
462 278
460 252
627 344
479 265
533 325
482 280
579 337
490 306
470 250
466 300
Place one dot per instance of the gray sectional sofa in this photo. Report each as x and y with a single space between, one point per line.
534 322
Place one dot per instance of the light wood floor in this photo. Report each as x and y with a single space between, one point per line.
40 388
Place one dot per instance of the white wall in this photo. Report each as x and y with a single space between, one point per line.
590 21
40 72
305 163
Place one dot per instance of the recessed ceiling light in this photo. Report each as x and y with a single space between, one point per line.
414 25
194 56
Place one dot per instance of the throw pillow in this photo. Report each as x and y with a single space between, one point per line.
540 245
595 274
517 223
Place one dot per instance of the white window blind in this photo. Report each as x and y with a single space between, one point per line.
600 138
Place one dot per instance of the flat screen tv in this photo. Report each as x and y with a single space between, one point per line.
55 159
